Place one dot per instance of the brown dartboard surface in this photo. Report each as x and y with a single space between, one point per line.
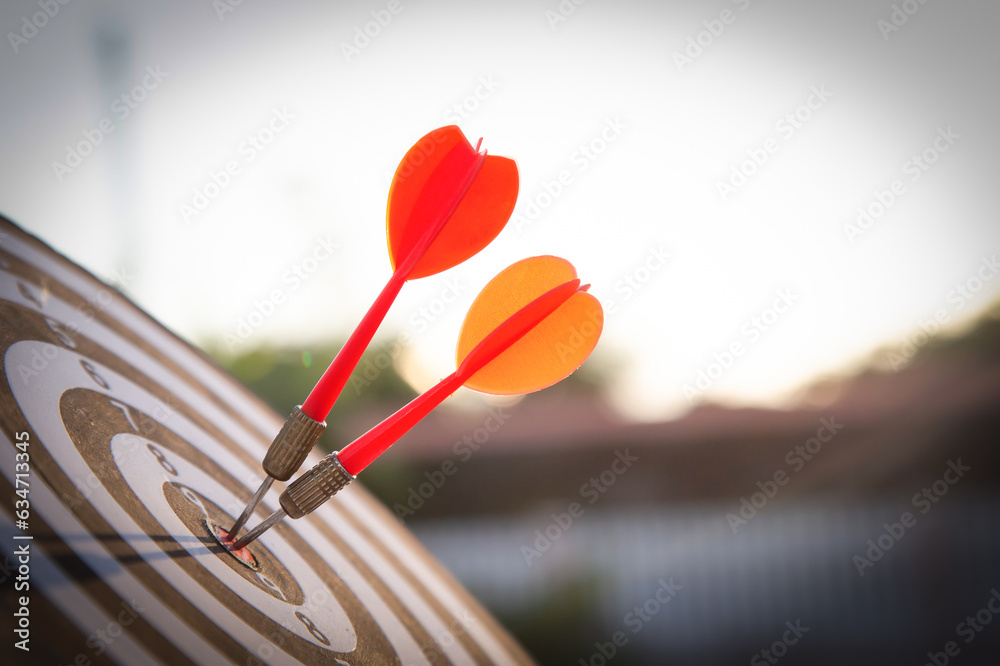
122 448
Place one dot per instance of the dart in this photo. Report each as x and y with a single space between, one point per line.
447 202
530 327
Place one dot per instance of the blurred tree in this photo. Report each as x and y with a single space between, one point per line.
283 377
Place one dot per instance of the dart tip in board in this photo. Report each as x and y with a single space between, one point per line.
242 555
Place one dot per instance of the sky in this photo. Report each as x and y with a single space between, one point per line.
761 193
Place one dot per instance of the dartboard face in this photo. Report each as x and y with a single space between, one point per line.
124 452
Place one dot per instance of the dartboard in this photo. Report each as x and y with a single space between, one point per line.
124 451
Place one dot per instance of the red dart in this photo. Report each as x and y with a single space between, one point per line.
530 327
447 202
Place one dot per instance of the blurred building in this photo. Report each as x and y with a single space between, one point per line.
869 515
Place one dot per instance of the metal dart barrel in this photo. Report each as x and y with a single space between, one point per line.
304 495
284 457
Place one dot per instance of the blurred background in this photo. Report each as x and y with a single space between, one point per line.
784 447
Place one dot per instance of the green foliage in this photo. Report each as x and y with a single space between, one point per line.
283 377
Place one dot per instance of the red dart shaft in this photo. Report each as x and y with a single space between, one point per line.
323 396
361 452
321 399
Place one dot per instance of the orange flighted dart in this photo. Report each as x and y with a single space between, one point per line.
530 327
447 202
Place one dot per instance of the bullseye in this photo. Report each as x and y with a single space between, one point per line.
242 555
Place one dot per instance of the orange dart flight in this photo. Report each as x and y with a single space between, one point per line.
530 327
550 351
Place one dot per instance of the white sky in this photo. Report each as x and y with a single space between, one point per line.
676 135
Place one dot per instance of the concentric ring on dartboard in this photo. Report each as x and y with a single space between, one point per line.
62 332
